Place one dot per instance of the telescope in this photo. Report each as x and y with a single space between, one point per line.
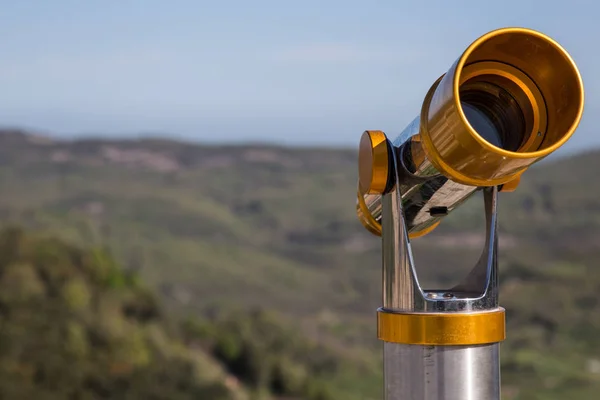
512 98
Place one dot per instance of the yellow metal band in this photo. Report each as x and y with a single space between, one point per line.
425 231
442 329
365 216
373 162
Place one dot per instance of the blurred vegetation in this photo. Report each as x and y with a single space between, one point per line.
270 357
269 282
75 326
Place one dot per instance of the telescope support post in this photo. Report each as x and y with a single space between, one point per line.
414 372
439 344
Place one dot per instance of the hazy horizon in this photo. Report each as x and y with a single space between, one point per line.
304 74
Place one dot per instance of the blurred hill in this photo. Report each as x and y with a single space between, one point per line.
270 228
75 326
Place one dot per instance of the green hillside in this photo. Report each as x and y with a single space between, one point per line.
274 229
74 326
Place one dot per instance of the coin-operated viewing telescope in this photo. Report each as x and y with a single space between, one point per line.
512 98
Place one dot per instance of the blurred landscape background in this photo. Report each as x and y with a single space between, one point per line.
161 269
178 189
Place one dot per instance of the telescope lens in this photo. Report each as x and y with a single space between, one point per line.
494 114
480 121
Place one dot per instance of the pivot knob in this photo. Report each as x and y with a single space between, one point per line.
373 163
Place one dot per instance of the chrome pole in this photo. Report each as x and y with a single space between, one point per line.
413 372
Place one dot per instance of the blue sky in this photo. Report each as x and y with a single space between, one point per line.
292 72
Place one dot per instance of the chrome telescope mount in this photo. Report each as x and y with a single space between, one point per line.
438 344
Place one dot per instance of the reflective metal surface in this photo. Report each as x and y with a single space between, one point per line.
414 372
422 187
401 290
442 328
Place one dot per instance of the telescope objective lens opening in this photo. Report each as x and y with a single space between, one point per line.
494 114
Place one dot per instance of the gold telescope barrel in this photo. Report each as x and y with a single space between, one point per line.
512 98
525 84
